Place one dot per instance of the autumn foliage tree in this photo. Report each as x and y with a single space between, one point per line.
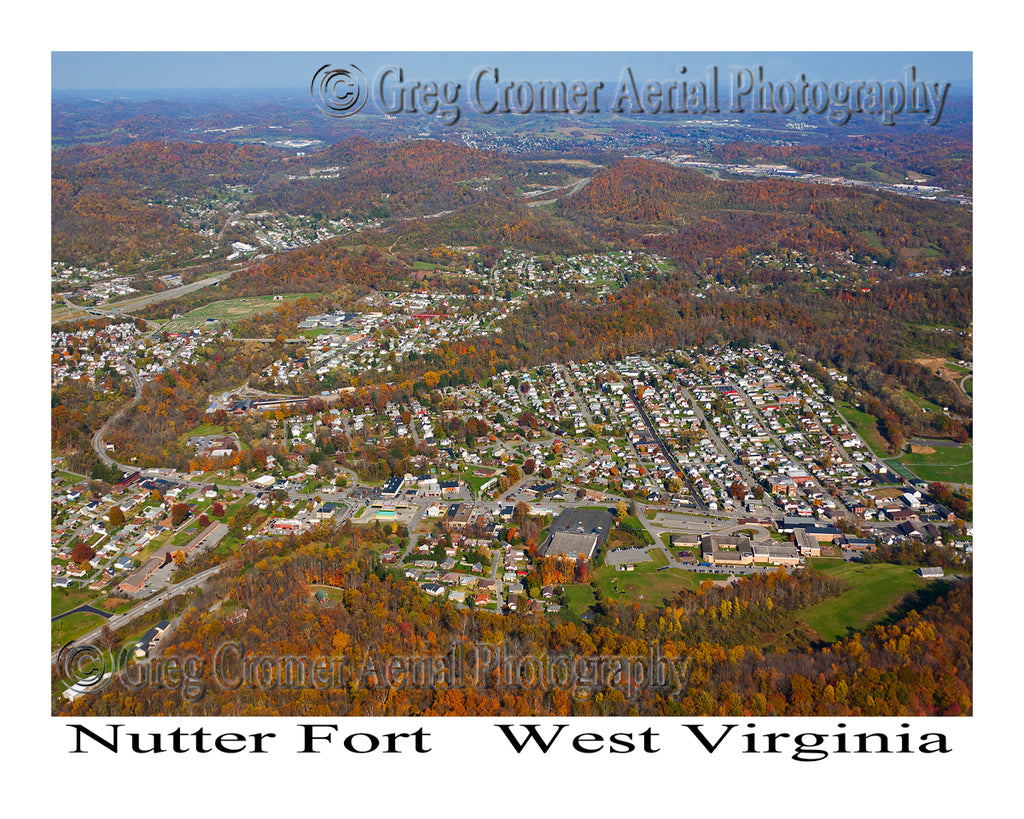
82 553
179 512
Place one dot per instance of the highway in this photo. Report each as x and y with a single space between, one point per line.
117 309
154 602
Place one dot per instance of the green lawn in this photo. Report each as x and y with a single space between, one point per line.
922 402
334 594
72 627
632 525
947 464
579 598
62 600
874 589
866 426
475 481
228 311
969 386
868 170
203 430
646 584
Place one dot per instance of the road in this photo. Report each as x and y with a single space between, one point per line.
761 420
119 620
117 309
665 450
826 434
570 190
97 438
571 386
963 383
720 445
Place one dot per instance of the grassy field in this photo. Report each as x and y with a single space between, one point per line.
866 426
969 386
62 600
72 627
475 481
948 464
868 169
334 594
874 590
579 598
203 430
645 585
922 402
227 311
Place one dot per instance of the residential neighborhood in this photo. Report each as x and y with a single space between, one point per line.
730 459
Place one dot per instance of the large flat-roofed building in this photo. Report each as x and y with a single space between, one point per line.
571 544
727 550
807 545
685 540
578 532
459 516
137 579
739 550
779 554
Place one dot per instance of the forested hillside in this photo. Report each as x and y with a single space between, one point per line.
919 664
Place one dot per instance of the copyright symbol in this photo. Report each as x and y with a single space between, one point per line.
339 92
87 668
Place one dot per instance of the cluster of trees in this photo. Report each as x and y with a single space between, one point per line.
946 158
960 501
556 570
918 664
77 410
318 268
716 225
913 552
525 530
109 226
491 224
391 180
110 204
175 402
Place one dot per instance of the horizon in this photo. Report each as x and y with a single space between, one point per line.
207 72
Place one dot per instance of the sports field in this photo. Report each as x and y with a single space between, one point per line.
226 312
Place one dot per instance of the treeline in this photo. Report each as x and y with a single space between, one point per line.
175 402
77 410
381 180
164 169
919 665
317 269
107 226
494 222
863 335
947 159
109 205
714 226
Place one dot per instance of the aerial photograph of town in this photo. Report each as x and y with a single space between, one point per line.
508 385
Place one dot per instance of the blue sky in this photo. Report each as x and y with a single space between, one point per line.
85 70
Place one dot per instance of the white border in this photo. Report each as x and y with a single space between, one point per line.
475 774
